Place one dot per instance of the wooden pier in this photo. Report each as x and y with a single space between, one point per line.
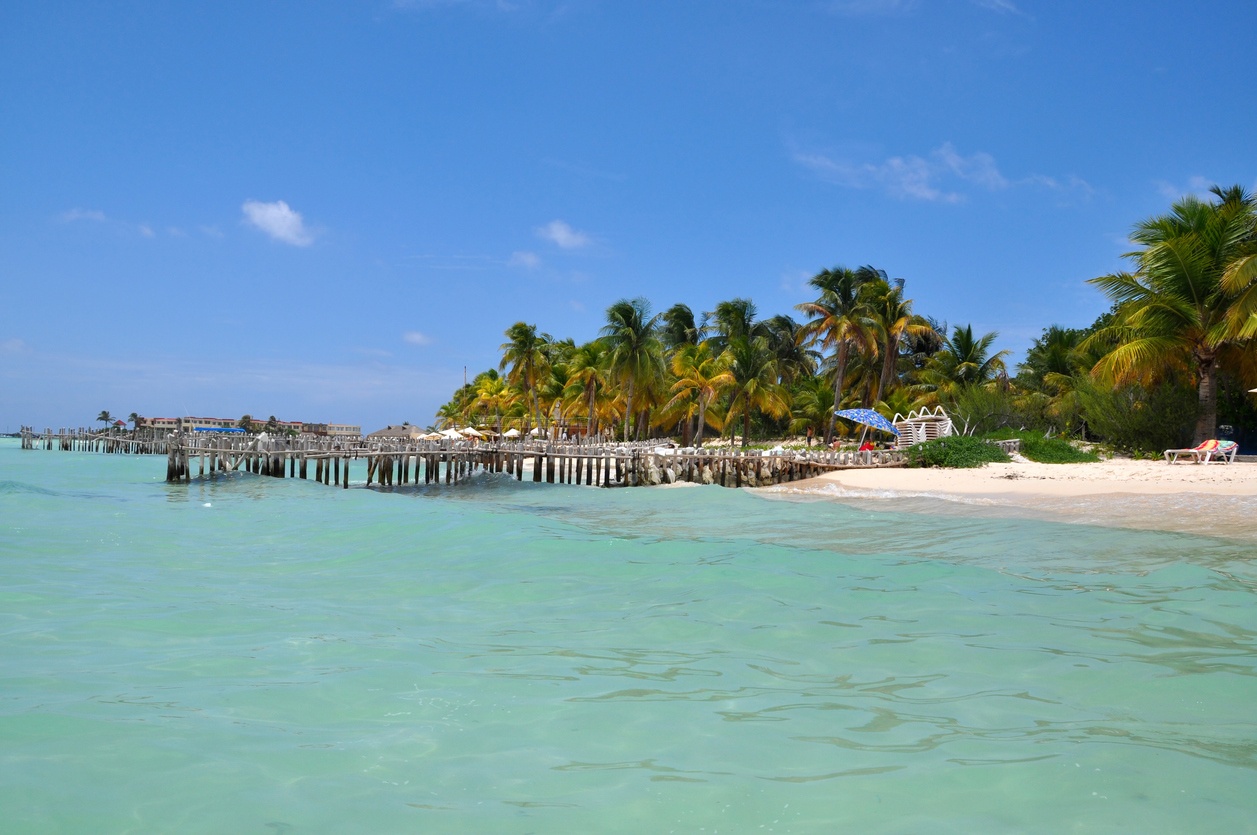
397 463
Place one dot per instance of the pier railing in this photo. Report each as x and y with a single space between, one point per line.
399 462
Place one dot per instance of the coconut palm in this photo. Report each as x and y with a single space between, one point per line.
1193 294
525 353
634 351
701 378
105 418
891 317
495 395
677 327
134 419
755 386
965 360
586 374
788 342
730 321
837 322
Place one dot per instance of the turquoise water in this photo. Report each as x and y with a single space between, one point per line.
275 656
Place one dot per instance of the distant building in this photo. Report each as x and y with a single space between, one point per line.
344 430
210 424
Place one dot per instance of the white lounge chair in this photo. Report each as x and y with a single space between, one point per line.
1208 452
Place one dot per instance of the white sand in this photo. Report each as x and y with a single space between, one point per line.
1212 500
1118 475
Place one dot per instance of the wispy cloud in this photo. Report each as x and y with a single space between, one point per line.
525 259
1002 6
279 221
1197 186
943 176
856 8
562 235
416 338
146 230
13 346
83 214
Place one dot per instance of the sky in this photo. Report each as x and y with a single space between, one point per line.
326 211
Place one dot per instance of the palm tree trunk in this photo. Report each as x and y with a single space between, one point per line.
702 419
746 425
589 424
1207 415
628 409
888 366
839 373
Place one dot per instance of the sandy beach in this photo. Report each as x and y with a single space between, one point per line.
1214 499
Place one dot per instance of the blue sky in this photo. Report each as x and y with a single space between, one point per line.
325 210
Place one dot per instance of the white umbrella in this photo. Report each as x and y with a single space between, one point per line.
471 433
431 436
511 433
452 434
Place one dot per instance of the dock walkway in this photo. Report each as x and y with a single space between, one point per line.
397 462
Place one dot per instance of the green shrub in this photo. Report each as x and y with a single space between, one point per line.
1038 447
959 451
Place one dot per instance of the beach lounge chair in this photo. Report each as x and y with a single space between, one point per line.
1208 452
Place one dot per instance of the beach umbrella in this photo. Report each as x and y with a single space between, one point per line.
451 434
868 417
511 433
471 433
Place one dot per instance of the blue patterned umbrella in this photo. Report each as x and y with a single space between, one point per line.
868 417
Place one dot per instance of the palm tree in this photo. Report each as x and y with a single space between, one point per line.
245 422
755 386
732 320
701 378
810 405
788 342
525 353
494 394
634 351
892 320
965 361
586 374
1192 295
134 419
837 322
677 327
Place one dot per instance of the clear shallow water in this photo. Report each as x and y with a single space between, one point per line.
258 655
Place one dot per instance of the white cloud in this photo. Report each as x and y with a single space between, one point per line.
528 260
576 305
563 235
941 177
147 231
870 7
13 346
279 221
83 214
1004 6
1197 186
416 338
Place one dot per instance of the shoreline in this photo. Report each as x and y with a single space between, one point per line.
1216 500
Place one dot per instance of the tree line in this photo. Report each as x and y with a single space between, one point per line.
1175 351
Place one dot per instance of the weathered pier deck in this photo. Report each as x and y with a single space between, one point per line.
397 463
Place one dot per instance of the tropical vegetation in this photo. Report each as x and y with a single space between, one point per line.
1169 363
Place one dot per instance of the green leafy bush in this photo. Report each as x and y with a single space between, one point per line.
1038 447
957 451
